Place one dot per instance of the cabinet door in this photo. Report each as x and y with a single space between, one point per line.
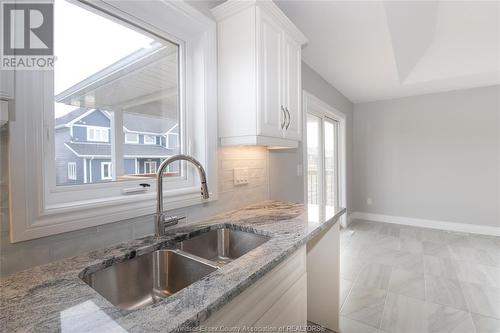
323 267
289 310
270 116
279 294
292 88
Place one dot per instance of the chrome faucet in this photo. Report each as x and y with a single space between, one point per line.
161 220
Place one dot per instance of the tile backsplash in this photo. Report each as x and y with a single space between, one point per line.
19 256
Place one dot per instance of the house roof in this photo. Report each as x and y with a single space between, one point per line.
132 122
129 150
69 117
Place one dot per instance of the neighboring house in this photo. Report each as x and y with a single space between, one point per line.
83 145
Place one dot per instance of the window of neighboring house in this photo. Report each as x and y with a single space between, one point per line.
92 100
106 171
149 139
97 134
150 167
131 138
71 170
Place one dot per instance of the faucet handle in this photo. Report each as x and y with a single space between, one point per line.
172 220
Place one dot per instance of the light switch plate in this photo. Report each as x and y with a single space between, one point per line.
240 176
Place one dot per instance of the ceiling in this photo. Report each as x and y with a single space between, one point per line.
377 50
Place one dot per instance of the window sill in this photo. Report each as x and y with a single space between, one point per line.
64 218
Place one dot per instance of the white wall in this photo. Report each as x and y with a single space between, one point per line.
434 157
284 183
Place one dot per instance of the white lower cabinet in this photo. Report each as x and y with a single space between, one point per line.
290 309
323 268
277 299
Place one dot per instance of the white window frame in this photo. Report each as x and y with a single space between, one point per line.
315 106
110 170
71 170
39 208
131 141
101 134
149 166
152 142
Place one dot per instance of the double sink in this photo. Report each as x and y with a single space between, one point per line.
154 276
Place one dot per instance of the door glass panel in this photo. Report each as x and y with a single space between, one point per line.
314 164
331 186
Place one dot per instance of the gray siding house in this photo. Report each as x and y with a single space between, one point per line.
83 145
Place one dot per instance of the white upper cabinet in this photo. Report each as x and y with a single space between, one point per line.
270 69
259 63
292 89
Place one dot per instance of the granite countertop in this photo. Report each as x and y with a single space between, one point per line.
52 297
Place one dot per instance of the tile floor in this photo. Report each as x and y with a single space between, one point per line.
401 279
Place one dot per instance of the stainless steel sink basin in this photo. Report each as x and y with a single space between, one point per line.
151 277
148 278
222 245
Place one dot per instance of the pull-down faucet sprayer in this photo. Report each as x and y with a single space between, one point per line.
161 220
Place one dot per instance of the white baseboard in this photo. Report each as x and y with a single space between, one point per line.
432 224
350 218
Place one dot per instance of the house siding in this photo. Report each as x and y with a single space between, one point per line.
63 156
129 166
96 170
96 118
77 133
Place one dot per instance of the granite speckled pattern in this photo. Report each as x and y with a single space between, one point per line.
52 297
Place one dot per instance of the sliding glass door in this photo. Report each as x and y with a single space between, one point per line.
322 160
331 159
314 175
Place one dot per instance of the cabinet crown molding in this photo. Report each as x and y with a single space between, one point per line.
232 7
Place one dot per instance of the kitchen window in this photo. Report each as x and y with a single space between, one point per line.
117 81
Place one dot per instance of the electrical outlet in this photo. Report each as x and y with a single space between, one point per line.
240 176
369 201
